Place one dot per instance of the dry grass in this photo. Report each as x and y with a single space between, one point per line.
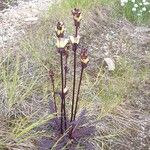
116 103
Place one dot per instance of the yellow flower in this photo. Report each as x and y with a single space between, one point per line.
84 57
62 42
77 15
75 40
85 61
78 19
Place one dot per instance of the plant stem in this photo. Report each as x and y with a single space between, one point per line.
53 86
65 84
74 76
62 95
66 68
76 32
65 113
78 92
63 107
74 84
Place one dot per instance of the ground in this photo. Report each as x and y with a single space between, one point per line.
114 108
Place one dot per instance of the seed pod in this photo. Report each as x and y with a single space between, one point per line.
60 29
76 16
84 57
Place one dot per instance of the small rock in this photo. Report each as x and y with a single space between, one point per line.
31 19
110 64
3 6
142 29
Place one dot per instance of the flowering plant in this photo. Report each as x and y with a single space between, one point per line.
137 11
63 46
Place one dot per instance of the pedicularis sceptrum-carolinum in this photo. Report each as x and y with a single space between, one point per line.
63 48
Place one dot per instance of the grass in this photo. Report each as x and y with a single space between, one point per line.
25 88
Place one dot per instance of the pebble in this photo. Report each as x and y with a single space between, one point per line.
110 64
15 19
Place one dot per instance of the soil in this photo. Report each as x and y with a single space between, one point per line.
115 38
108 38
17 17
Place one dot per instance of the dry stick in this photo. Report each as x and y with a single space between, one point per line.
77 98
74 77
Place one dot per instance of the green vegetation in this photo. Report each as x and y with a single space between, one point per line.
137 11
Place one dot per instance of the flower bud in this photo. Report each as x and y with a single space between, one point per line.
84 57
76 16
60 29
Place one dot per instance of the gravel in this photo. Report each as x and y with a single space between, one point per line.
14 19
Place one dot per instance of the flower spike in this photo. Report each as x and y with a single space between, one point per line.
76 16
84 57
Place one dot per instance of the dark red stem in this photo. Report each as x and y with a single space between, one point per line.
62 101
74 76
76 32
74 83
66 69
63 105
78 92
53 86
65 119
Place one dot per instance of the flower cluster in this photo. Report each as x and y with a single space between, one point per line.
138 7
